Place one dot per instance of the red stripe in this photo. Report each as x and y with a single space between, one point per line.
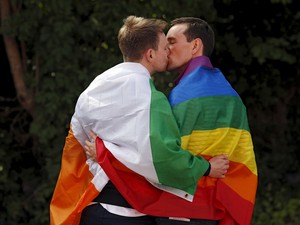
239 179
239 209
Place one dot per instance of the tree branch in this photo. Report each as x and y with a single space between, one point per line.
14 57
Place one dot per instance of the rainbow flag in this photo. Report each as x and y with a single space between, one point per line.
212 121
137 125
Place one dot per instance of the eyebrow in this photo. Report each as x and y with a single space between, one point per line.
171 38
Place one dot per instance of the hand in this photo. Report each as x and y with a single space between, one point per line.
90 147
219 166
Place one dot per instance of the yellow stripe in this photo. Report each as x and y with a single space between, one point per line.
234 142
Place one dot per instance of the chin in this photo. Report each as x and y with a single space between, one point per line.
169 68
163 69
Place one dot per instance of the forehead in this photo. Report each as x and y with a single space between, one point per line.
177 31
162 38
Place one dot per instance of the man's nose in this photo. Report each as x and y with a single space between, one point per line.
168 51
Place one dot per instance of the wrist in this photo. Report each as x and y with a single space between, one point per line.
208 170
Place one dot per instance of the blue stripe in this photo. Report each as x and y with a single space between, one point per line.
201 82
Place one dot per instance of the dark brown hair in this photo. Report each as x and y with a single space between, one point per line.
198 28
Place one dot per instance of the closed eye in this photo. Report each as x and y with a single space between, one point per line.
171 40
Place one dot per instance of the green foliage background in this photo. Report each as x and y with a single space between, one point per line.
257 48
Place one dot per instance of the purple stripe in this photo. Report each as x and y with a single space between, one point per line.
194 63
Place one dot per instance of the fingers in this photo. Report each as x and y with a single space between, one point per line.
87 151
87 148
90 153
89 144
219 166
224 167
224 156
217 175
93 135
221 176
90 147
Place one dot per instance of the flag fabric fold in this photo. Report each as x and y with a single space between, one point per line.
75 187
146 198
216 124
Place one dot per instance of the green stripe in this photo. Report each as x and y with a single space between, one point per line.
209 113
174 166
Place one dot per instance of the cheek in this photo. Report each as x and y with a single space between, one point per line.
184 53
176 56
163 57
176 52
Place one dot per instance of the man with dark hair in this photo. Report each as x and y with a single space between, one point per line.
212 119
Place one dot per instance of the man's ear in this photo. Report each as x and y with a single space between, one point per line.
149 54
198 46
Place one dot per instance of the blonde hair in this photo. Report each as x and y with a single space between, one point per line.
139 34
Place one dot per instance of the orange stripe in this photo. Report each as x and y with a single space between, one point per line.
73 181
240 179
